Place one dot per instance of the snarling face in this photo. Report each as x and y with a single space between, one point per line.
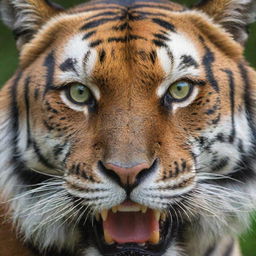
129 125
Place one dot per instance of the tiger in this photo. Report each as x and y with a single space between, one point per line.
128 129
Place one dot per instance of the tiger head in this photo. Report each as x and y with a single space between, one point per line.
129 126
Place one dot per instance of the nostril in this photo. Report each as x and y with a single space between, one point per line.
110 173
127 177
127 174
146 172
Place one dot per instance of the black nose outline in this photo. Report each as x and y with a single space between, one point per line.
139 179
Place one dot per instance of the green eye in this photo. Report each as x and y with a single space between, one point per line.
180 90
79 94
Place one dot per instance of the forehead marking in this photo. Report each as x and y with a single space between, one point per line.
96 43
208 60
96 23
69 65
187 61
164 24
80 50
79 60
49 63
89 34
172 57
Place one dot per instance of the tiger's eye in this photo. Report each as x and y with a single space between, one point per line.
79 93
179 90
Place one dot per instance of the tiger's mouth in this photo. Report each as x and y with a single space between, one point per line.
133 229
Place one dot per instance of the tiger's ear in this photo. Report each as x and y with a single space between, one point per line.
25 17
233 15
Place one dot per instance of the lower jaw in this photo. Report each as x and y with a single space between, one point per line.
168 233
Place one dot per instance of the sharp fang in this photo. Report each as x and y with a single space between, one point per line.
157 215
114 209
155 237
97 216
108 238
144 209
104 215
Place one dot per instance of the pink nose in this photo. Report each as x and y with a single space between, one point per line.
129 175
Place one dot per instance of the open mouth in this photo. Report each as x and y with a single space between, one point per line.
133 229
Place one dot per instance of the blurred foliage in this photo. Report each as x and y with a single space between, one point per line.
8 63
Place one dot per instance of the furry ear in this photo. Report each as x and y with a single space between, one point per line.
25 17
233 15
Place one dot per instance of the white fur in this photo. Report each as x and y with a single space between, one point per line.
225 149
77 48
178 45
103 195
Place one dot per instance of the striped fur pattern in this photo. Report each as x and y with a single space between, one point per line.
128 53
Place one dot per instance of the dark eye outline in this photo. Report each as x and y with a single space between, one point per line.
90 102
168 100
191 88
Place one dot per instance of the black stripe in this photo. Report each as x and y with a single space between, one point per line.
58 149
125 39
86 58
101 8
248 101
187 61
68 65
88 35
36 93
108 13
245 168
164 24
26 176
159 43
138 6
40 156
161 37
122 27
49 63
27 103
153 56
102 55
232 102
208 60
96 43
96 23
150 13
15 118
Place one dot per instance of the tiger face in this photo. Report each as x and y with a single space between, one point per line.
129 127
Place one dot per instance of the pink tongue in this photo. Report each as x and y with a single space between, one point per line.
131 227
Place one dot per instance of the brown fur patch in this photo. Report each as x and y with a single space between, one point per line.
10 245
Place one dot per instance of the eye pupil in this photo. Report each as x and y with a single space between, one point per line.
180 90
79 94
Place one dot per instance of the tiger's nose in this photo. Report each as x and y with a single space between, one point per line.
126 175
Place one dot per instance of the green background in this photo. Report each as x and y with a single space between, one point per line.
8 63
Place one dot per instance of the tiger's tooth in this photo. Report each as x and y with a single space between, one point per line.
108 238
157 214
104 214
144 209
155 237
114 209
97 216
